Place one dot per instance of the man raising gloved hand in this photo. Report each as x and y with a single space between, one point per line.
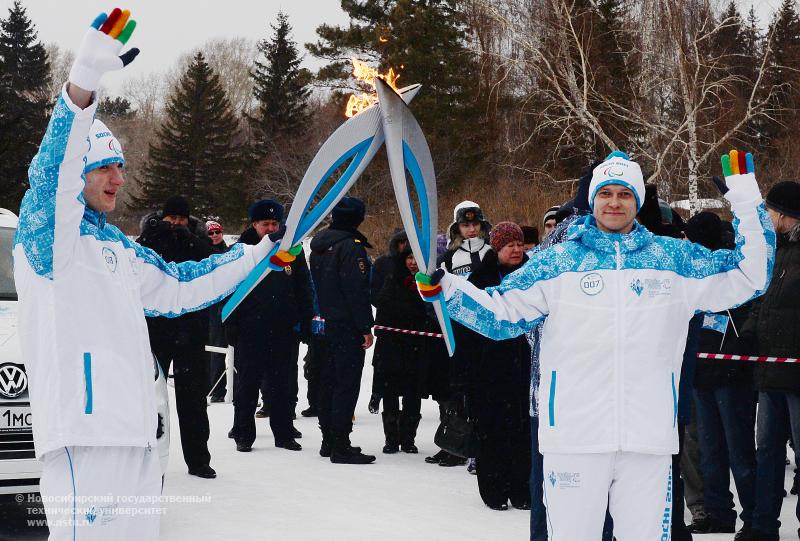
618 302
84 290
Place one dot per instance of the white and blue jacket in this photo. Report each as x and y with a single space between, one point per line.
618 309
84 290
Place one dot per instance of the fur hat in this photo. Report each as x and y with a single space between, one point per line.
266 209
467 212
348 213
705 228
503 233
618 168
104 148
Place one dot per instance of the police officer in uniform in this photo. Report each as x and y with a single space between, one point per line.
264 329
341 271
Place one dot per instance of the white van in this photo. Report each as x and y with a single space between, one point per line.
19 469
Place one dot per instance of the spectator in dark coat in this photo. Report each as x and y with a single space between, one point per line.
384 265
216 337
773 329
401 360
725 405
264 327
498 392
177 236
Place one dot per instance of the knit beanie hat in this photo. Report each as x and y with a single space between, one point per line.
784 197
550 213
266 209
176 205
503 233
212 225
618 168
348 213
104 148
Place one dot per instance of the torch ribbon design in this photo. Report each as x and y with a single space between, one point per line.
356 141
407 150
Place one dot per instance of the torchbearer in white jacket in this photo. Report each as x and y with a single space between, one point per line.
618 302
84 290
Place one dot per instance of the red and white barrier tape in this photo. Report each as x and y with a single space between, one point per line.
409 331
394 329
724 357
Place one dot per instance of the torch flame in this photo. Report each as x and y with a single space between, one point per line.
363 73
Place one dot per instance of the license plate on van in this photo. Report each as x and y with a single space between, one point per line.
15 418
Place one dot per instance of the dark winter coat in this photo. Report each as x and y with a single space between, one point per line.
401 361
341 270
711 374
384 265
775 319
216 335
500 370
178 244
283 300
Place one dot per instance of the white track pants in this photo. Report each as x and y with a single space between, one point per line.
102 493
637 489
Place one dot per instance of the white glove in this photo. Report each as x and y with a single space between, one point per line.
99 50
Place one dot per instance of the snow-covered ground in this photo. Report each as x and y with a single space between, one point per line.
276 494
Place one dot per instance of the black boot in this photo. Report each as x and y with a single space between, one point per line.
391 430
408 431
344 453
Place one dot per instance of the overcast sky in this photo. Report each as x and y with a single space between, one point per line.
168 28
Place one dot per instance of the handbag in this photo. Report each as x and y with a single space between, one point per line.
456 434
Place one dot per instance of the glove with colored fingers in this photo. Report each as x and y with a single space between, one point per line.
428 286
99 50
283 258
739 185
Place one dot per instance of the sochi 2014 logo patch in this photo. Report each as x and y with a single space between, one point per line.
637 287
110 258
592 284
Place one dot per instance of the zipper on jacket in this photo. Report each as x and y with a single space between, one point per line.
618 348
87 376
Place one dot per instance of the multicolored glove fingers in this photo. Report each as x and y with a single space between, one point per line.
428 286
284 258
737 163
117 25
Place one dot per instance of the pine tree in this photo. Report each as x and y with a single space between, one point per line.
280 86
24 76
195 154
783 71
117 108
427 42
614 63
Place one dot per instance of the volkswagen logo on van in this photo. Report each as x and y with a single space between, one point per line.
13 381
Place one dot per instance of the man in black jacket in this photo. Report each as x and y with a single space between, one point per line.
341 270
264 328
724 402
178 237
774 328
